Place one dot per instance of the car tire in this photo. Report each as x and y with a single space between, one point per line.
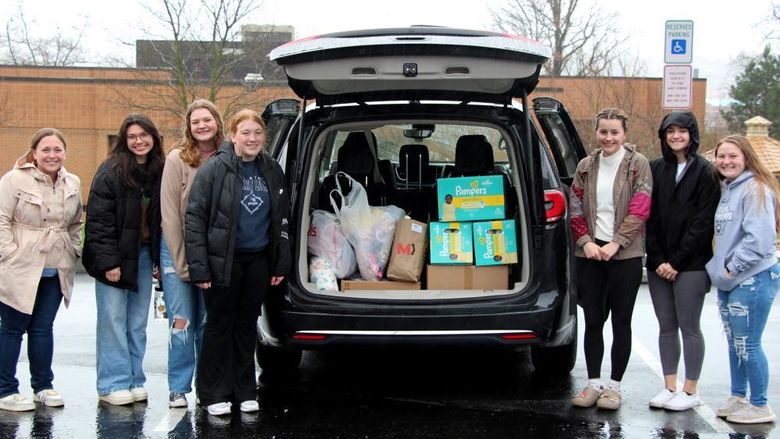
558 360
278 360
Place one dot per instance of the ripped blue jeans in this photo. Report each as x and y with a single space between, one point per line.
744 312
183 302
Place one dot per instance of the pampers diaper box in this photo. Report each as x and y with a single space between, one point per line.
495 242
451 243
471 198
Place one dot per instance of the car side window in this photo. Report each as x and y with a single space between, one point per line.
549 178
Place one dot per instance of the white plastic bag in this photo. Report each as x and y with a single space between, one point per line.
369 229
328 241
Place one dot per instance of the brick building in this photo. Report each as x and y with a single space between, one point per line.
85 104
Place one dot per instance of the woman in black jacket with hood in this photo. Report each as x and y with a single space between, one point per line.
121 246
679 244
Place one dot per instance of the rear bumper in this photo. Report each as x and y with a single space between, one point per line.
500 329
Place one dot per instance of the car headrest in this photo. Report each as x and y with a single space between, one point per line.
416 154
473 155
354 156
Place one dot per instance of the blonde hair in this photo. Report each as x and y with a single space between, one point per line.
190 153
40 135
612 113
763 178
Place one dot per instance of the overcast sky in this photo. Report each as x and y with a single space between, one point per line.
722 29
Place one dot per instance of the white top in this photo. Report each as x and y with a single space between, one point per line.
680 169
605 206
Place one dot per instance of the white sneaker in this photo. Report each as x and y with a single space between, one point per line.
220 408
139 394
683 401
16 403
49 398
732 405
662 398
118 397
250 405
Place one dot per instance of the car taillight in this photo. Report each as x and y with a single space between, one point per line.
523 336
309 337
554 205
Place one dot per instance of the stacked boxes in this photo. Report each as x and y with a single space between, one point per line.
463 237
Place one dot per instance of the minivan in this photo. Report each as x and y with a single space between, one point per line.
457 102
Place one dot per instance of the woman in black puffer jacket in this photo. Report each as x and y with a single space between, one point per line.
237 245
121 247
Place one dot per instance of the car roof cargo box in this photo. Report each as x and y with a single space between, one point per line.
415 63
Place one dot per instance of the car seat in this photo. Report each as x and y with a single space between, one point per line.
357 158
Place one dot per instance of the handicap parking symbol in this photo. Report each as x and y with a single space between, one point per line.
678 47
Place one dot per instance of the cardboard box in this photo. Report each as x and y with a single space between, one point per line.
471 198
451 243
467 277
378 285
495 242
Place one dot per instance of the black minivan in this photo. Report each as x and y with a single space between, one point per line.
459 100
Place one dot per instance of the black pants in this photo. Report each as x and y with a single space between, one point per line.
226 368
604 287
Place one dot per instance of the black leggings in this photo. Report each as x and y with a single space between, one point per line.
606 287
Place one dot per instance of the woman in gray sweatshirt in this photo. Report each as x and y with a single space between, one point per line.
744 269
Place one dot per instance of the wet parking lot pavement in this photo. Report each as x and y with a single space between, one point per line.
398 393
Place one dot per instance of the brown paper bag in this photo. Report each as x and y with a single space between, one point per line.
407 256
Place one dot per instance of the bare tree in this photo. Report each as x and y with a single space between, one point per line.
202 52
20 47
582 36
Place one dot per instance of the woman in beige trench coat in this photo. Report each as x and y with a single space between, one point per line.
40 243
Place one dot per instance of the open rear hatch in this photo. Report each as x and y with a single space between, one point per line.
415 63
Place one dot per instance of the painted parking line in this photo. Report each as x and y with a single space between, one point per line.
170 420
703 410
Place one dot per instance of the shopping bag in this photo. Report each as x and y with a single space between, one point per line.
326 240
407 257
368 228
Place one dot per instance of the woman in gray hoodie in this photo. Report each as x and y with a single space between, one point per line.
744 269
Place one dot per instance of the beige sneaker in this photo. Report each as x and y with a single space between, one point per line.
609 400
16 403
49 398
586 398
751 414
732 405
139 394
118 397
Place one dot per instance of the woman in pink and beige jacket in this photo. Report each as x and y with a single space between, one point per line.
609 205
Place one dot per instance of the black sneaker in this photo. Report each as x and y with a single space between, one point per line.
177 400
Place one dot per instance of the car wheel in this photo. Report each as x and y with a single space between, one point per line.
558 360
277 359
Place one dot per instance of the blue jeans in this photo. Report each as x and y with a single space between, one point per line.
121 330
744 312
40 338
183 301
